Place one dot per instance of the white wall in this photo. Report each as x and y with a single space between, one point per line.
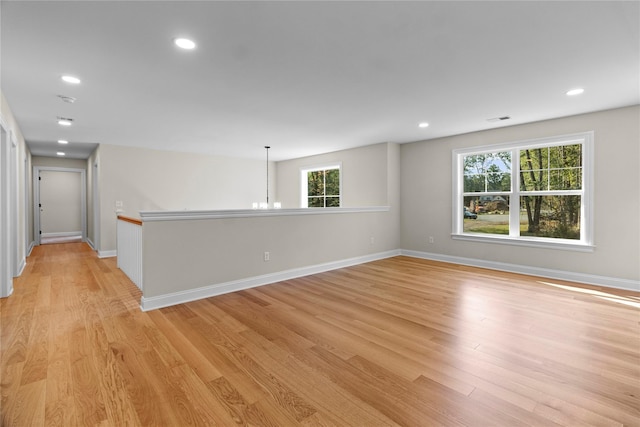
182 256
146 179
92 199
426 194
6 278
364 176
370 177
393 191
20 178
59 162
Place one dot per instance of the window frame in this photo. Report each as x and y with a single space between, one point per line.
304 184
585 243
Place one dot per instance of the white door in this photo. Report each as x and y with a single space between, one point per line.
60 203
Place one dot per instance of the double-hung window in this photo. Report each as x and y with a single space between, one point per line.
536 192
320 186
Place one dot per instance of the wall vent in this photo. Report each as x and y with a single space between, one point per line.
498 119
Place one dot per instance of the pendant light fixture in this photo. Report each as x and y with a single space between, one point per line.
265 205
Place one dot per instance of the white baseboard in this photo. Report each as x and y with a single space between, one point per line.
62 234
610 282
107 254
31 246
23 264
90 243
182 297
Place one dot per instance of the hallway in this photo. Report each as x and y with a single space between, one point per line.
53 329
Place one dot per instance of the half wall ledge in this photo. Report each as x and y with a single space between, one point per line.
147 216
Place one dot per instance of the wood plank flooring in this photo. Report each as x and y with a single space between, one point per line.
395 342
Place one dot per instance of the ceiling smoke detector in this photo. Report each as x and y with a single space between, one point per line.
498 119
67 99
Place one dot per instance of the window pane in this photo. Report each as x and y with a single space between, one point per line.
486 214
333 182
498 181
474 183
333 202
315 183
487 172
565 179
534 180
551 168
534 158
316 202
550 216
565 156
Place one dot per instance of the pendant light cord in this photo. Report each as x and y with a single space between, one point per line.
267 147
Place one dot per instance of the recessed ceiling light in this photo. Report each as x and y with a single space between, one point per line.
576 91
60 153
185 43
63 141
71 79
423 125
64 122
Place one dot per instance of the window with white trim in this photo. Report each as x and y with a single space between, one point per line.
535 192
320 186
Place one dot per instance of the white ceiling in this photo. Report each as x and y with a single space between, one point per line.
308 77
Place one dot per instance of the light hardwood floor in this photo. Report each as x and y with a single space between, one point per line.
394 342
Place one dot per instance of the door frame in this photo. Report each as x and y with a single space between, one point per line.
6 276
16 258
36 198
95 183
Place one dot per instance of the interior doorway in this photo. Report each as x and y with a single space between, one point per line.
59 205
6 276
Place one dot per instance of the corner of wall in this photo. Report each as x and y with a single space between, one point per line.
393 187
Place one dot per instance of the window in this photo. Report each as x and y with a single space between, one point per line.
320 186
534 192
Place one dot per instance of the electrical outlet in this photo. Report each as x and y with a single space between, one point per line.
431 240
267 256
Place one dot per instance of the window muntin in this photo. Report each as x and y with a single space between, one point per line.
321 187
533 191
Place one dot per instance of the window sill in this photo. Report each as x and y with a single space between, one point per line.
532 242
